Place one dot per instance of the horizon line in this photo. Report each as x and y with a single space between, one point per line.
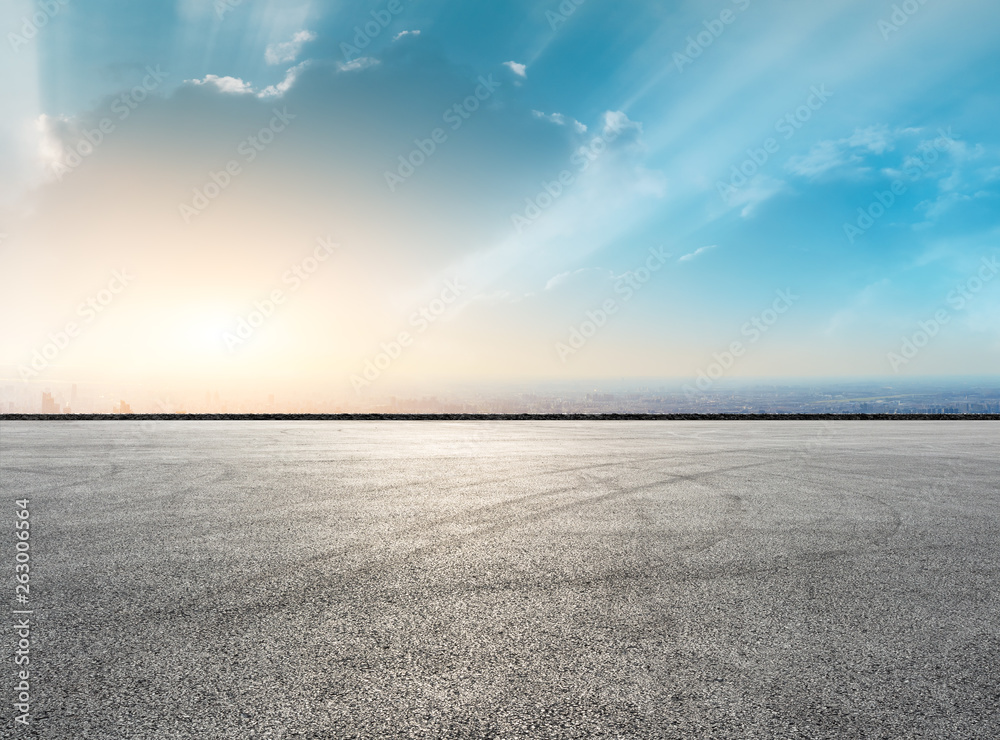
502 417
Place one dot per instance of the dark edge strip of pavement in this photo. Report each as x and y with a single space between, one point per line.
499 417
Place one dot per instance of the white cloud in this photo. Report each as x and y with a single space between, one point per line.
288 51
557 118
357 64
232 85
695 253
276 91
520 70
616 122
560 120
401 34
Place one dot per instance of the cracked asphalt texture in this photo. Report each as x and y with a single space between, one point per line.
508 579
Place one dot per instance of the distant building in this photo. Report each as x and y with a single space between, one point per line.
122 408
49 405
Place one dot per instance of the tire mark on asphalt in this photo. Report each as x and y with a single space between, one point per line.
896 520
366 573
104 476
370 573
618 464
33 471
486 514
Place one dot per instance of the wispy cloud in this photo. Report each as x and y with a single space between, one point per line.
823 157
560 120
760 189
832 154
276 91
695 253
357 64
565 277
288 51
876 139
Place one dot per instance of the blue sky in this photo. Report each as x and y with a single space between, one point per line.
647 111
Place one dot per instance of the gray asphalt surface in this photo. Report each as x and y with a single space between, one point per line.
516 580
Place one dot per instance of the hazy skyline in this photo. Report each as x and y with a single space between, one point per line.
322 197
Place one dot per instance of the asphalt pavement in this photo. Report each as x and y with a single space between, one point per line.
564 579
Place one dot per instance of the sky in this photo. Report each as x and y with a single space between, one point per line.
343 195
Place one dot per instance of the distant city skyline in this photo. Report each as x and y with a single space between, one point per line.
657 396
